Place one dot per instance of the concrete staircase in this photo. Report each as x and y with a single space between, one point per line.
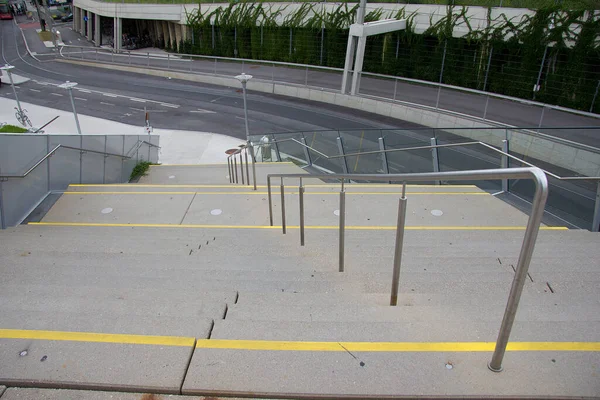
178 284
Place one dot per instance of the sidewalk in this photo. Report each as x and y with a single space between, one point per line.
177 147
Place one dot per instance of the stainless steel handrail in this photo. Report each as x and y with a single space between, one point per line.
232 165
564 178
139 144
531 232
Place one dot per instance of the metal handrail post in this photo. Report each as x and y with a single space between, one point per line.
384 160
247 170
340 144
270 201
435 158
342 239
398 247
242 167
235 168
301 201
277 153
229 169
504 164
533 227
253 158
281 190
306 153
596 218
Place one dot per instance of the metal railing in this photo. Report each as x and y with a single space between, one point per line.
232 166
329 79
504 161
533 224
5 177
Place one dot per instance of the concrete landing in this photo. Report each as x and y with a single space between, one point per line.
66 394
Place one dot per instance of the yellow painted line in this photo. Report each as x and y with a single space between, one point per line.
137 185
351 185
277 192
323 227
272 345
97 337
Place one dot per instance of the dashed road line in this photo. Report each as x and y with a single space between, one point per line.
169 105
109 95
138 100
79 98
35 90
107 104
201 111
56 94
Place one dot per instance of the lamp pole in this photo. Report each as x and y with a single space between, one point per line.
244 78
69 86
8 68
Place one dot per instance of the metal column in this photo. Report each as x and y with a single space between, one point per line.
340 144
505 164
384 160
435 158
596 219
398 247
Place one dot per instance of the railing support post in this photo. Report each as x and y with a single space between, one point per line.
270 200
505 164
398 246
235 168
229 168
247 170
435 159
242 167
596 219
533 227
277 153
384 160
281 190
340 144
253 159
342 227
301 201
306 152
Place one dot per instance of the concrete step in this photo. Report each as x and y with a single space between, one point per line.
335 374
414 331
73 394
211 173
353 313
309 188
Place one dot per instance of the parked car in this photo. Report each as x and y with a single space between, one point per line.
67 18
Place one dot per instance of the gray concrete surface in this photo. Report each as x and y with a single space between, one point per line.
94 365
68 394
425 374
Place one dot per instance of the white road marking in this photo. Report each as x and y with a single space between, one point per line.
84 90
201 111
138 100
108 104
79 98
109 95
56 94
169 105
35 90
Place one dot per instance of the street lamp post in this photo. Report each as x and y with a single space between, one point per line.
20 113
243 78
69 86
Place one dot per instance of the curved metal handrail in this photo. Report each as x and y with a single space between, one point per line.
533 225
61 146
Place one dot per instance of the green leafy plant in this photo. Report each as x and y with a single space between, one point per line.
12 129
139 170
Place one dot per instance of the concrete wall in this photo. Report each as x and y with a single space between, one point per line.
20 196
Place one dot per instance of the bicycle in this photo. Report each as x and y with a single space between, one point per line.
22 117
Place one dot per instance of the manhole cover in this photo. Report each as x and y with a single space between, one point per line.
216 211
437 213
106 210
